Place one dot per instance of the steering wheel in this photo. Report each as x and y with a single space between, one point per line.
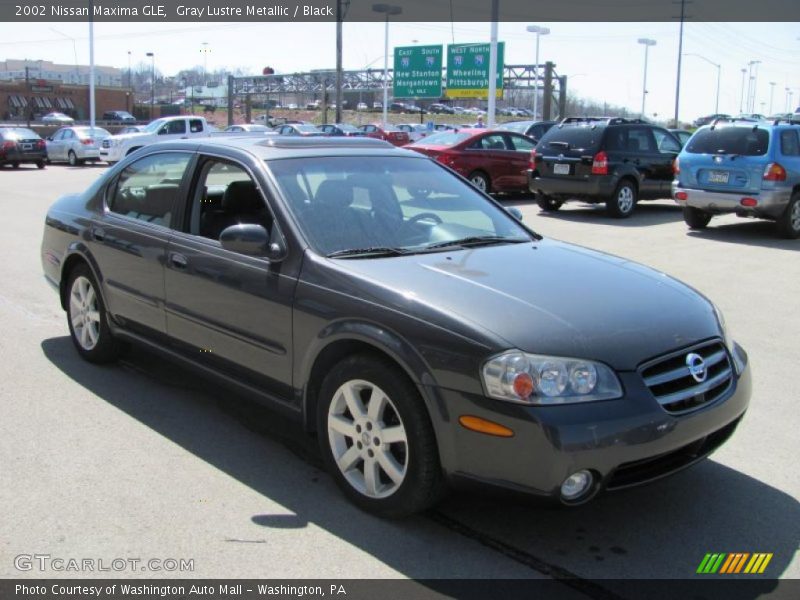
421 217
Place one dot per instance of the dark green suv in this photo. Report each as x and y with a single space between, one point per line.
597 159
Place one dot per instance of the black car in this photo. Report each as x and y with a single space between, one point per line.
596 159
441 109
341 129
410 321
20 145
119 116
533 129
700 121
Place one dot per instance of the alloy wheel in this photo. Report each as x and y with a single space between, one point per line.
367 439
84 313
625 199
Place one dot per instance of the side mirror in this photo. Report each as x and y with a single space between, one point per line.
252 240
515 212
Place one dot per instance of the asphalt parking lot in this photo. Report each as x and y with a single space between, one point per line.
142 460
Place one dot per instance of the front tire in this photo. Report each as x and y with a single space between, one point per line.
789 223
481 181
40 164
696 218
623 202
548 204
376 438
87 318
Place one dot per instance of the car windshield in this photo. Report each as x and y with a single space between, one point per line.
20 133
583 139
88 132
154 126
371 206
445 138
743 141
517 126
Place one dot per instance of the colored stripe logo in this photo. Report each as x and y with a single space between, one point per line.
730 563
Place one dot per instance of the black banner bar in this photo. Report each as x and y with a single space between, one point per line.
412 10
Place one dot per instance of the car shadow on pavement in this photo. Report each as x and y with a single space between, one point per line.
658 531
748 232
646 214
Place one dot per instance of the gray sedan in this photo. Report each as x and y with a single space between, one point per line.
75 145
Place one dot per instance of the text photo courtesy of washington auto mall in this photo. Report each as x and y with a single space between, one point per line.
411 299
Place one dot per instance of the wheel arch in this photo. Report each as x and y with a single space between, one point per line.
357 337
78 253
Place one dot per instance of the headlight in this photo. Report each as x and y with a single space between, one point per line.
543 380
738 361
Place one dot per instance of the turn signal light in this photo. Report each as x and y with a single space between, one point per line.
532 161
483 426
749 202
87 142
676 166
681 196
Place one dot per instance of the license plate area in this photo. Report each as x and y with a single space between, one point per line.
718 177
27 146
561 169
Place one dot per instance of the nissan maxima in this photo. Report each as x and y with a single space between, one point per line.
418 329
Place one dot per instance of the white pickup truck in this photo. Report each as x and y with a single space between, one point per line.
115 148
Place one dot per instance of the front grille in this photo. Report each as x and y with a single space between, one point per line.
106 144
673 386
649 469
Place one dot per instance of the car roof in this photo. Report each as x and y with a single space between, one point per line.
281 147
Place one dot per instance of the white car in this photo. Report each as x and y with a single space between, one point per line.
361 106
115 148
76 145
415 131
57 118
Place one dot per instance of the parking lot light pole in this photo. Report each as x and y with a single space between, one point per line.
152 82
388 10
539 31
646 42
719 73
741 98
771 94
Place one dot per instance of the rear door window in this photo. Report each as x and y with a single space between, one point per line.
742 141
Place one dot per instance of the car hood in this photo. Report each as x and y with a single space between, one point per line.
547 297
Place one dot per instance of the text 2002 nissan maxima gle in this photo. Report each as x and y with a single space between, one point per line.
420 330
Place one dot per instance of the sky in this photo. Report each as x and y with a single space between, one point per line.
602 61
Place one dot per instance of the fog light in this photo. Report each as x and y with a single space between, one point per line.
576 485
748 202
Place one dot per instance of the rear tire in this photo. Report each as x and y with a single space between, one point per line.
696 218
376 438
622 204
40 164
15 165
789 223
73 159
87 318
481 181
548 204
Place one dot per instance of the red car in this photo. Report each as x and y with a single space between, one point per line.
389 134
493 160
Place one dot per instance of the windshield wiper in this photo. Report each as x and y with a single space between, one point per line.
370 252
477 240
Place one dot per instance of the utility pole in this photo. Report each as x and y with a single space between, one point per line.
680 57
28 92
771 94
91 65
493 65
339 19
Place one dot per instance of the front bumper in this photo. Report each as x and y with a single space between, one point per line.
593 188
624 442
770 203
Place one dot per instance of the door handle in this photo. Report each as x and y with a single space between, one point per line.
98 234
179 261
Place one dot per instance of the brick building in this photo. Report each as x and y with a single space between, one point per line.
20 100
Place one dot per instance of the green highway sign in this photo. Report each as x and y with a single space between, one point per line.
468 70
418 72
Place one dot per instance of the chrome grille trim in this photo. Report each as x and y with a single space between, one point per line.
669 380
